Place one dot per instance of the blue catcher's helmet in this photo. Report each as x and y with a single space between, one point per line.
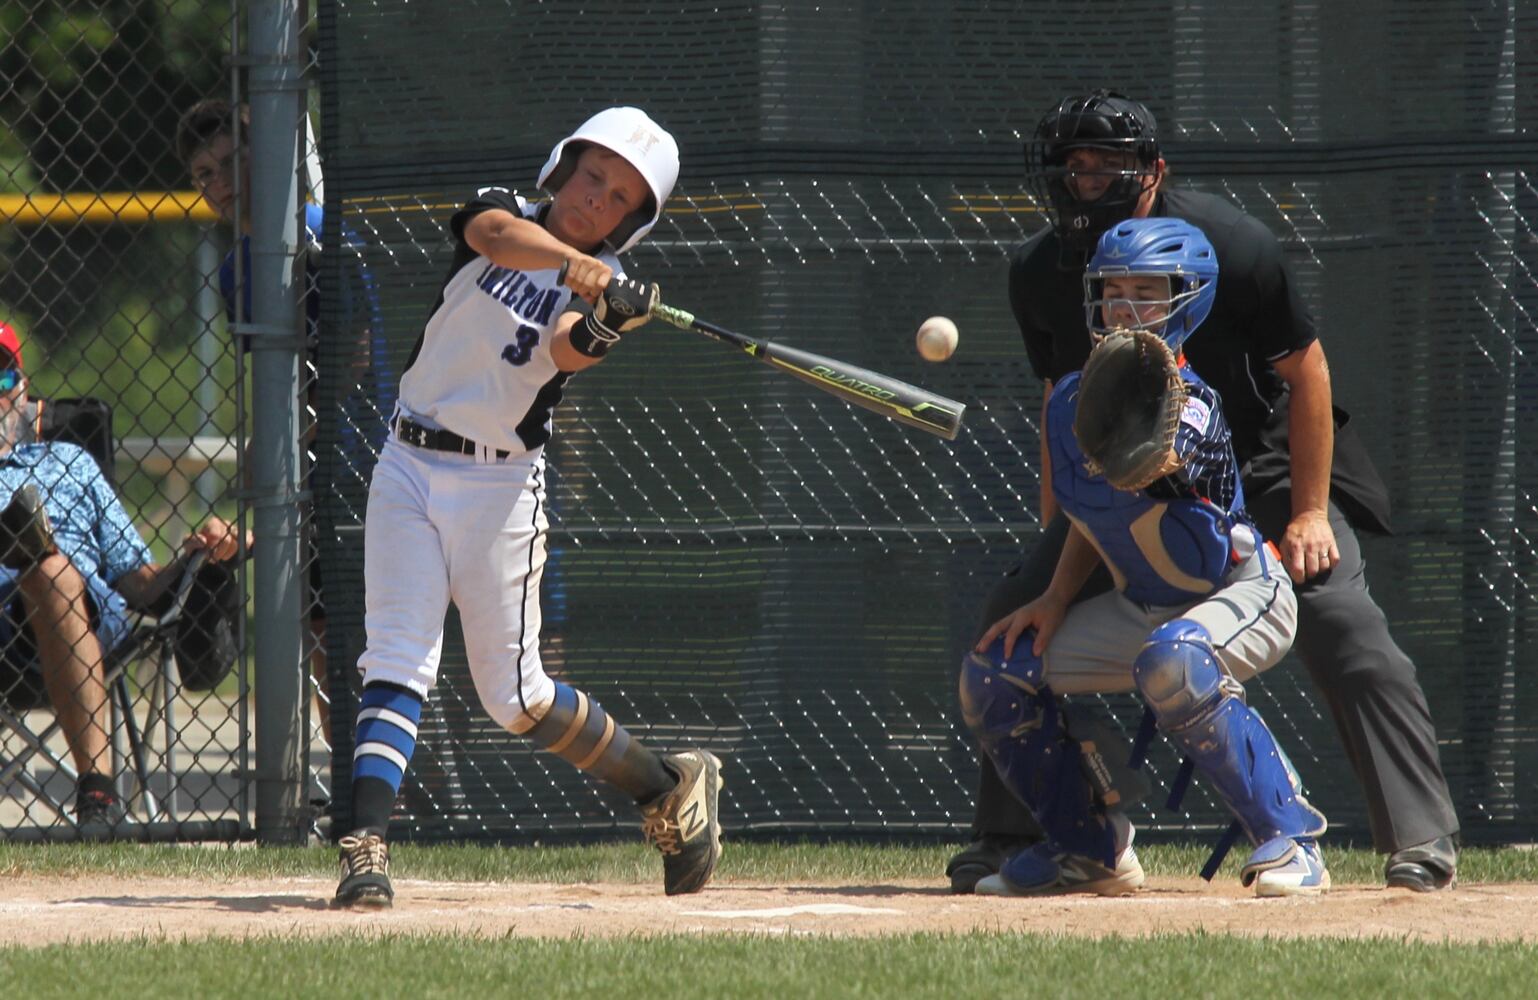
1170 248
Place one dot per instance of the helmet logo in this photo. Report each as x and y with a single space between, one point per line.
643 137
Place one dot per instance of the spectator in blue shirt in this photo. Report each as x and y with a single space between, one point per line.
63 607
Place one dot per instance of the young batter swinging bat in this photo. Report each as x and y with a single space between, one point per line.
907 404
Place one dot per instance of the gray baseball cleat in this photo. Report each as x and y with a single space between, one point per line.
683 824
1043 870
1286 866
365 859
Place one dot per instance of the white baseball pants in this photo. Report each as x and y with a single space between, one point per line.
469 529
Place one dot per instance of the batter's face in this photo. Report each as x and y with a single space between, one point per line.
1091 172
1135 301
602 190
213 174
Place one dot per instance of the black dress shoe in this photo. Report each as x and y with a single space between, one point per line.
1424 867
981 858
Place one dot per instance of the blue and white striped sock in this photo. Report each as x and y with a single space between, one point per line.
387 734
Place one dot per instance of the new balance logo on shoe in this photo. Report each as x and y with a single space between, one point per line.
691 822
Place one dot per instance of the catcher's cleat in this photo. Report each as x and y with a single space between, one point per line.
683 824
365 861
1286 866
981 858
1043 870
1424 867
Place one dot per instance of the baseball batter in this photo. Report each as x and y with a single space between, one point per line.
1144 469
456 509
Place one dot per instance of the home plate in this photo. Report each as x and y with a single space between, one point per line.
814 909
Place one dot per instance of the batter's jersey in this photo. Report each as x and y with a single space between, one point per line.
482 367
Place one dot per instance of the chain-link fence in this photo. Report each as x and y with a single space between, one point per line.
734 561
740 563
125 680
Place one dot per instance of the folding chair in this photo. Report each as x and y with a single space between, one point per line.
88 423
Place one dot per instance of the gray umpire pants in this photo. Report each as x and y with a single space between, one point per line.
1368 683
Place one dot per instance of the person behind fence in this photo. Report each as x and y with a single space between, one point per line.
1143 467
1309 481
457 508
72 569
205 142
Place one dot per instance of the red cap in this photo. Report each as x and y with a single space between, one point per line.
10 342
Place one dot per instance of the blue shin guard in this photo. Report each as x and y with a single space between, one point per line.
1196 706
1065 783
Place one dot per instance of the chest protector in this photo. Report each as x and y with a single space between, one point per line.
1159 552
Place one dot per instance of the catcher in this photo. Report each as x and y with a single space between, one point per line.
1143 466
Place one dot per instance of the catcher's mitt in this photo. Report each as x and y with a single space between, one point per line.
26 535
1130 399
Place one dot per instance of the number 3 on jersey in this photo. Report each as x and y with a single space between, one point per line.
519 352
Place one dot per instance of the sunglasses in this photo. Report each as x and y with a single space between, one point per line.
10 378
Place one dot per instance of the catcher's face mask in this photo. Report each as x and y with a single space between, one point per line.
1117 299
1133 302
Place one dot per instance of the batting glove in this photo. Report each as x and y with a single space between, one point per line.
624 305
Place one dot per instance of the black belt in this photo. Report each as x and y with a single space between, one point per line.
418 436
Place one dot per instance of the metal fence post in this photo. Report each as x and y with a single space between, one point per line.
275 86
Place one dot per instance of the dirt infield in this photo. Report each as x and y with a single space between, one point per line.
39 911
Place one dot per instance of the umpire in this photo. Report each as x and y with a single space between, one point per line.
1094 161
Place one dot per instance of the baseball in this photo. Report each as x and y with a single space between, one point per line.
937 338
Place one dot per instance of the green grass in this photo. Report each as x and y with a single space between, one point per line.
916 965
920 965
636 863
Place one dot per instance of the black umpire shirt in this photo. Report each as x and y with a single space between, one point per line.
1258 317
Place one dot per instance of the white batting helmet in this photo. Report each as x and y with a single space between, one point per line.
645 145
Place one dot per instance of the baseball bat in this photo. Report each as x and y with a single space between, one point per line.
894 399
890 397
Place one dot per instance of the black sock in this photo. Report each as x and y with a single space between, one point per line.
372 802
649 778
